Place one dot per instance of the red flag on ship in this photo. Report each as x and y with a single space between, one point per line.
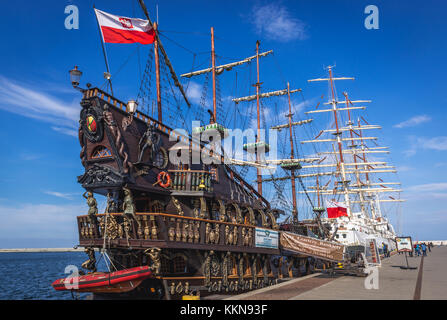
116 29
336 209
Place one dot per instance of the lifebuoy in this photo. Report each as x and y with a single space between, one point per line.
161 176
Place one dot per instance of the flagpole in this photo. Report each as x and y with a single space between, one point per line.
104 52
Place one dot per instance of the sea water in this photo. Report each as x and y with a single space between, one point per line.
28 275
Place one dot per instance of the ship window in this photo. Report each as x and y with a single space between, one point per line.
164 265
344 235
337 236
179 265
101 152
156 206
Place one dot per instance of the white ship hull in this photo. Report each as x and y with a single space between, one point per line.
355 231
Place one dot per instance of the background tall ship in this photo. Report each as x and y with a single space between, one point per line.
174 229
345 179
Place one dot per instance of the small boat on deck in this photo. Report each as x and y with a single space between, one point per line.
105 282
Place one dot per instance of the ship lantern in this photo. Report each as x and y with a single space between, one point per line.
131 106
75 76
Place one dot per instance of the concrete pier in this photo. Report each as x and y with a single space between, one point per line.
428 281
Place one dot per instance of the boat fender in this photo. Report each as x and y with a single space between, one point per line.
161 177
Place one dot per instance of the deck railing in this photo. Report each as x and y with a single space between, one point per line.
153 227
191 180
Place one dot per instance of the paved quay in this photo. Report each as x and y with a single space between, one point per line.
428 281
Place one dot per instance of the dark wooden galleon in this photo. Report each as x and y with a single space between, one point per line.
194 223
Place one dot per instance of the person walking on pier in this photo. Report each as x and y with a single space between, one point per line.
385 250
418 249
429 246
424 249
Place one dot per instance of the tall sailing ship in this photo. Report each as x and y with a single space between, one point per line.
176 225
346 178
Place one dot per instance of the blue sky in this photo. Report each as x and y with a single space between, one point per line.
401 67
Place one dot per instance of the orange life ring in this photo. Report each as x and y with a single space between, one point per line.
162 175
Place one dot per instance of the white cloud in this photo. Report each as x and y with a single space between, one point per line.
428 191
435 143
414 121
32 103
67 131
429 187
194 92
67 196
297 108
275 22
404 168
29 156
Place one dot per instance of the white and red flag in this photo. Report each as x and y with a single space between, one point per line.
336 209
116 29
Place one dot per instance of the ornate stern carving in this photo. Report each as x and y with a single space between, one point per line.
207 268
178 206
222 211
117 137
263 218
110 229
275 226
196 231
240 267
92 207
235 233
128 206
225 267
212 235
171 230
203 209
90 264
155 257
91 120
251 215
101 176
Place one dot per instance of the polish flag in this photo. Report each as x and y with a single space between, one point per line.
116 29
336 209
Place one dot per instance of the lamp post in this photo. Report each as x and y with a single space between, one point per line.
131 108
75 78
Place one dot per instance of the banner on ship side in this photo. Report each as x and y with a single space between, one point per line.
310 246
265 238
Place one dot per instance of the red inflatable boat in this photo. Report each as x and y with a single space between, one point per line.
105 282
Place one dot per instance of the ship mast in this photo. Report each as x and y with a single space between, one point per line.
157 74
213 62
338 133
166 59
343 168
258 136
294 210
354 156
